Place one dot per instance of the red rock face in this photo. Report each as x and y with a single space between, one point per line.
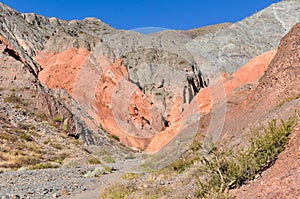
249 73
124 110
279 83
60 69
119 105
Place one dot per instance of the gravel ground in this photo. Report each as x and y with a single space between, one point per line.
59 183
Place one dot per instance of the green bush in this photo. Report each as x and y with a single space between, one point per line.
182 164
26 137
93 160
58 119
221 170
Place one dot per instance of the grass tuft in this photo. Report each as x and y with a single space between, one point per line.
117 191
43 166
93 160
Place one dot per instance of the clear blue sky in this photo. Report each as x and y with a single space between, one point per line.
131 14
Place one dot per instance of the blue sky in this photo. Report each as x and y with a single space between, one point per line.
132 14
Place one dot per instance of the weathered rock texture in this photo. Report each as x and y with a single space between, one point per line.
36 123
276 95
140 87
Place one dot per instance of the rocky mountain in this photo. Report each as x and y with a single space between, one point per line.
36 123
157 75
279 85
82 89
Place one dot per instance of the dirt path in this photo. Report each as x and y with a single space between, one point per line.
61 183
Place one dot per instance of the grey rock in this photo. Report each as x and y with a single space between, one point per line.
182 62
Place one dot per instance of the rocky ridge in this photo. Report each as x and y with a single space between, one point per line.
170 68
168 81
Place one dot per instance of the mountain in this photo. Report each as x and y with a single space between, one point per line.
156 75
76 90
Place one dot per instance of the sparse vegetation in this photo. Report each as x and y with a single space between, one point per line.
93 160
130 156
56 145
130 176
289 99
15 100
216 170
41 116
97 172
26 161
108 159
113 137
25 126
224 169
47 165
130 190
182 164
65 124
26 137
117 191
58 119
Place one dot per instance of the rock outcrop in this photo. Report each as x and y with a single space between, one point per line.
139 86
276 95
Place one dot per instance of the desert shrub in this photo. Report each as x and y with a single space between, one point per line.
26 161
58 119
59 158
224 169
118 191
216 170
97 172
113 137
93 160
47 165
26 137
41 116
182 164
108 159
130 190
15 100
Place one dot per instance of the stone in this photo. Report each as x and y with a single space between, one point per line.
14 196
55 195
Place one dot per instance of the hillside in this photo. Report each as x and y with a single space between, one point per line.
77 93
